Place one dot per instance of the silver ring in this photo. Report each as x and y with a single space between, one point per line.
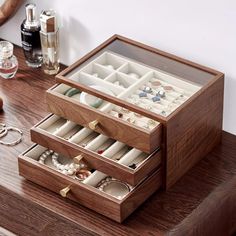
13 143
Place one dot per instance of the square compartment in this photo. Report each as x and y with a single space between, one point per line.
110 61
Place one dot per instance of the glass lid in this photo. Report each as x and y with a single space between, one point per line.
137 74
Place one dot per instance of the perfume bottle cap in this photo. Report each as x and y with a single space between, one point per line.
48 21
6 49
30 10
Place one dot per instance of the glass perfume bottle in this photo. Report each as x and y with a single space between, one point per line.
30 37
49 36
8 62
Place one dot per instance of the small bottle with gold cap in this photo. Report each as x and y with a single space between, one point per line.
49 36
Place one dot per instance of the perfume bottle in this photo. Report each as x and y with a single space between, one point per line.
30 37
49 36
8 62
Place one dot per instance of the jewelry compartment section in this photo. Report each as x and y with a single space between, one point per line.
91 188
159 93
104 106
146 87
97 150
104 117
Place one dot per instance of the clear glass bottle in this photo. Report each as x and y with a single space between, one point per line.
49 35
30 37
8 62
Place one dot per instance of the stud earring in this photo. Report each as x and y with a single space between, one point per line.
147 89
161 94
156 99
143 94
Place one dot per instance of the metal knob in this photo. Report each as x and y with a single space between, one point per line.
77 159
64 191
93 124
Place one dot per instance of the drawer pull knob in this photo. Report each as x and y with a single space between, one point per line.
93 124
77 159
64 191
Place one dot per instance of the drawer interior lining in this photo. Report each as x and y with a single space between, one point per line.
93 180
117 111
131 77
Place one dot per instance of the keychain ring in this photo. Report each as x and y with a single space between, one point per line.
13 143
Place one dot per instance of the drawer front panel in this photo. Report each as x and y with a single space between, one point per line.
144 140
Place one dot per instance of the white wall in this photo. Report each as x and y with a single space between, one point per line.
203 31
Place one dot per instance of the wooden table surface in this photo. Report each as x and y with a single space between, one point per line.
28 209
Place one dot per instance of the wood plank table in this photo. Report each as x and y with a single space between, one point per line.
28 209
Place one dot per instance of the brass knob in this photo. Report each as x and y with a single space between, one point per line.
77 159
93 124
64 191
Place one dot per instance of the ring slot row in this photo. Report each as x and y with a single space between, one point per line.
90 140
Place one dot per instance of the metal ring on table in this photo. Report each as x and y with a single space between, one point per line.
13 143
3 130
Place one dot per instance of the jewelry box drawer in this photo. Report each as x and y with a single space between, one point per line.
111 120
98 151
117 207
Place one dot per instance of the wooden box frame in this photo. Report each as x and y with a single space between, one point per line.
193 129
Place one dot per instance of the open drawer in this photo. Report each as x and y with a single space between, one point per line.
117 200
104 117
97 150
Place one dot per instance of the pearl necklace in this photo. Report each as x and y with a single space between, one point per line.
45 155
67 169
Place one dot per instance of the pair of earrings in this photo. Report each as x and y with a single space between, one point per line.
157 98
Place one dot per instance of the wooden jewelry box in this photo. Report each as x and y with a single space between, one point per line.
133 118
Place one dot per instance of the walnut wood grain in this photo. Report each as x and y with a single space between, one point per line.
146 141
28 209
94 160
193 132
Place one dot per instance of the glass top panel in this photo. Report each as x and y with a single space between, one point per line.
146 79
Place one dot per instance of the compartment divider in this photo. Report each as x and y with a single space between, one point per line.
113 149
130 156
95 143
94 178
90 80
64 129
110 59
134 87
80 136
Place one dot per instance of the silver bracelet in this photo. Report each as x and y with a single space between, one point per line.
114 187
4 131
